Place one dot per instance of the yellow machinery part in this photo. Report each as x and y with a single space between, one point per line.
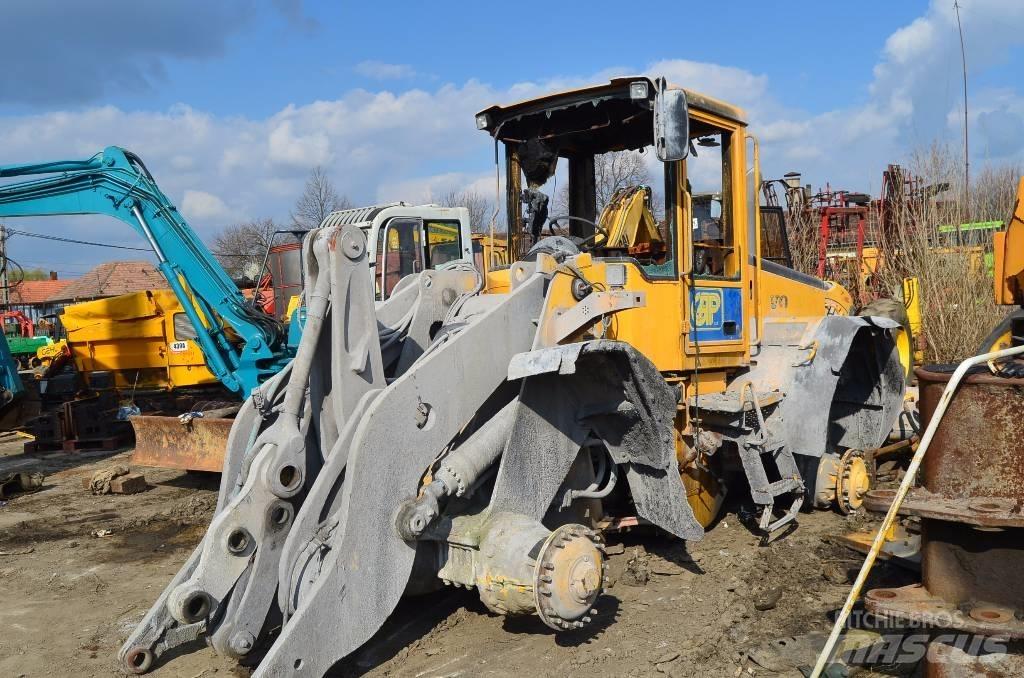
703 493
905 347
489 252
627 220
912 300
46 354
293 305
1009 255
136 338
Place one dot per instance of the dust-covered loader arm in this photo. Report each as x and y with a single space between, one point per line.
396 454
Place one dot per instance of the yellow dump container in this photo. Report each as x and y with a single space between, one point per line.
144 339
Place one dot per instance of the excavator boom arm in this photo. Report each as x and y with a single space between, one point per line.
116 183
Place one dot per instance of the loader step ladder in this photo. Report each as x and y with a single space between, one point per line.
745 406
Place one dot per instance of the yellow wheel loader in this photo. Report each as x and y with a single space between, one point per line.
483 430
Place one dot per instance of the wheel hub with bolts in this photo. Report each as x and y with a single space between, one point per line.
570 577
852 481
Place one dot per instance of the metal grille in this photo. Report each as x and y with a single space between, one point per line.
356 215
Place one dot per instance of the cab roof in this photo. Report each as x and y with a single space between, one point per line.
496 115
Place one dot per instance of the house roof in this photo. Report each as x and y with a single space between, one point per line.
111 279
37 291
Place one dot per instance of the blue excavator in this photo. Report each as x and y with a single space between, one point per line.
242 345
12 390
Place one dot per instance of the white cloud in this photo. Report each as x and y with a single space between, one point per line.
203 206
304 151
728 83
431 188
414 143
783 130
380 70
912 42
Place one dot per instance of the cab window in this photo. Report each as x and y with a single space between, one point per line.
709 181
183 328
399 253
443 242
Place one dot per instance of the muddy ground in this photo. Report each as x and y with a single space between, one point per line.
719 607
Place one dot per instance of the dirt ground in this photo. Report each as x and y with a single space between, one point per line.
718 607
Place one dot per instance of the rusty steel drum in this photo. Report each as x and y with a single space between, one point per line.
971 505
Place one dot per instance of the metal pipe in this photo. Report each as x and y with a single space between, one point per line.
316 311
144 225
588 493
908 480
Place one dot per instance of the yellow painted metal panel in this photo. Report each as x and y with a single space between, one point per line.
132 336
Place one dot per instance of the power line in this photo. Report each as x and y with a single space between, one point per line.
14 231
50 263
967 159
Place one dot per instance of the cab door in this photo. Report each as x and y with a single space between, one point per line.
715 247
400 252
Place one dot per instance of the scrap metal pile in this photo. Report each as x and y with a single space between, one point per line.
969 504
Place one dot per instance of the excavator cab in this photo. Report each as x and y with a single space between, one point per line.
408 239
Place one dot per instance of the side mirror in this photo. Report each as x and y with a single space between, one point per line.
671 123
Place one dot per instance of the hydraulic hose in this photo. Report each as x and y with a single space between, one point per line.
316 311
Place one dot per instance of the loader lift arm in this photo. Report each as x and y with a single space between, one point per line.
115 182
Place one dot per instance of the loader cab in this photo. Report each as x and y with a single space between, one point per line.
409 239
654 178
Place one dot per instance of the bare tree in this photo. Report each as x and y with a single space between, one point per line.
481 209
994 192
955 287
319 198
612 171
240 248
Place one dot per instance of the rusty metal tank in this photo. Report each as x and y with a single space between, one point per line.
971 506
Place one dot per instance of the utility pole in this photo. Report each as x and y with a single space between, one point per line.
5 294
967 162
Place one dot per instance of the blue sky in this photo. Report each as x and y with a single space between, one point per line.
232 103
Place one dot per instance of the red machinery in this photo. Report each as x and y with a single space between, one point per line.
26 328
848 222
843 223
